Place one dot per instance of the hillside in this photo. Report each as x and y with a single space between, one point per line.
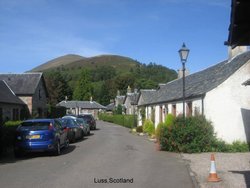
60 61
76 61
104 75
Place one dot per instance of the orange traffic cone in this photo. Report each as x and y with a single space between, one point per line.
213 175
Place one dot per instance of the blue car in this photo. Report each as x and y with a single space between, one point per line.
40 135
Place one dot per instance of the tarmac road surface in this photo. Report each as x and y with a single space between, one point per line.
109 157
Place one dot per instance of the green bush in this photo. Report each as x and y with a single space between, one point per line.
159 130
238 146
169 120
190 135
139 129
128 121
148 127
7 134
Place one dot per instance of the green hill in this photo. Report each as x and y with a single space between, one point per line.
57 62
106 74
71 62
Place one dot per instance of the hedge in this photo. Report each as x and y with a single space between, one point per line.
7 134
128 121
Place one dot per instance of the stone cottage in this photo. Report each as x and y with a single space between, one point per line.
11 107
82 107
31 89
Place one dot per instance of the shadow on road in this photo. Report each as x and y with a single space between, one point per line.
8 156
246 176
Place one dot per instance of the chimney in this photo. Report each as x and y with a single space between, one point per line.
180 73
232 52
128 89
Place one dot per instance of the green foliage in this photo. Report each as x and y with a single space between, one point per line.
149 127
12 123
7 134
236 146
83 90
139 129
106 75
159 130
194 135
118 109
57 87
124 120
169 120
190 135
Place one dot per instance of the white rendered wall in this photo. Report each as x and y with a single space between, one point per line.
228 107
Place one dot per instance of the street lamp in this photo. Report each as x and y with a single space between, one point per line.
183 52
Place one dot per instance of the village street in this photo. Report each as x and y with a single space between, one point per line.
110 157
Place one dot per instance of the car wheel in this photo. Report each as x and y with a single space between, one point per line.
67 143
57 149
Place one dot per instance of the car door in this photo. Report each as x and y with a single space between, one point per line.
61 132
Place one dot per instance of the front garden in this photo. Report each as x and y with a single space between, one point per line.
190 135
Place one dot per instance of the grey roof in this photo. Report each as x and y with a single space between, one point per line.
22 84
133 97
246 83
146 96
7 95
201 82
110 106
81 104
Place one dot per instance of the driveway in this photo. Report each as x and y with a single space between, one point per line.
110 157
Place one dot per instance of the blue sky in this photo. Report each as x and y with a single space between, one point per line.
33 32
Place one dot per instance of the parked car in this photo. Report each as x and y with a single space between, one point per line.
74 131
40 135
83 124
89 119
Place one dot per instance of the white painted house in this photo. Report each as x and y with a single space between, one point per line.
217 92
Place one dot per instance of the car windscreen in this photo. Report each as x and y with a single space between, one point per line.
34 126
68 123
87 117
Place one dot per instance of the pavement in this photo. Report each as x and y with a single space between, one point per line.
232 168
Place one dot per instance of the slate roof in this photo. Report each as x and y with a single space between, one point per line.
199 83
22 84
81 104
146 96
7 95
133 97
110 107
246 83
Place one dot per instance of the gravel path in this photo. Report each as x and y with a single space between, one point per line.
232 168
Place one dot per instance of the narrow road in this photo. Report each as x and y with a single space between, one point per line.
110 157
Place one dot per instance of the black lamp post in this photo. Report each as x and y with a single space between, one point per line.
184 51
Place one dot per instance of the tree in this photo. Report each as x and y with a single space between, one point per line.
57 87
84 89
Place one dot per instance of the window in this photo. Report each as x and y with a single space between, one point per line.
15 114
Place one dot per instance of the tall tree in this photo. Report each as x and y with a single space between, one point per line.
84 89
57 87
